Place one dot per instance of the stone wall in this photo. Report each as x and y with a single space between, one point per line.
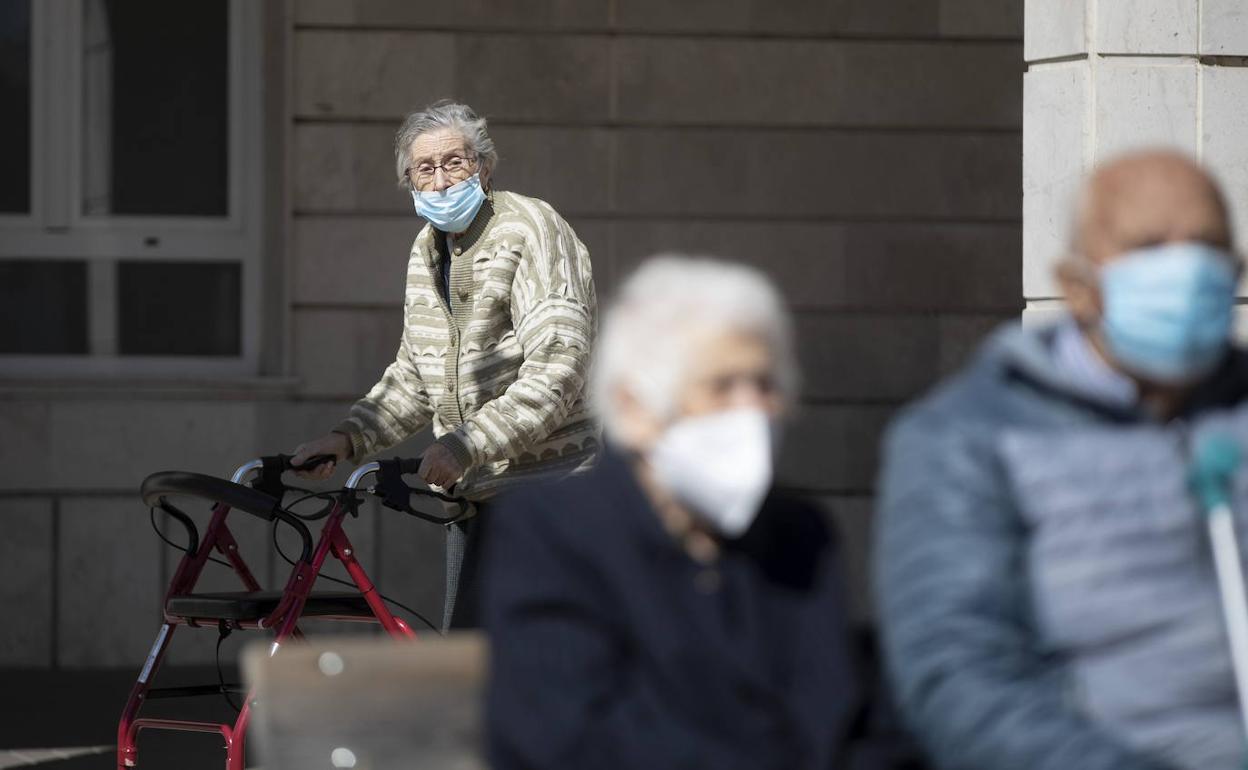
1108 76
865 154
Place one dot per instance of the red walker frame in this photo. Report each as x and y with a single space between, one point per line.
283 619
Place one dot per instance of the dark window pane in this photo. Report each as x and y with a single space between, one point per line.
157 100
15 96
179 308
45 307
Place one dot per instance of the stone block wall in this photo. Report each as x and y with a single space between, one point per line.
1108 76
865 154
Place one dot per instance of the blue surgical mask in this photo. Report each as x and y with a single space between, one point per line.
454 208
1168 310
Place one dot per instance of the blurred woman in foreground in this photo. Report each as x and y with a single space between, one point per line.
670 608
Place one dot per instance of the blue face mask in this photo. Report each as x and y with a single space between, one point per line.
1168 310
453 209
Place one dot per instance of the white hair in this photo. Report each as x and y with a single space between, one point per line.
656 318
441 115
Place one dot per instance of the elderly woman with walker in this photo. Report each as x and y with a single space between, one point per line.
499 315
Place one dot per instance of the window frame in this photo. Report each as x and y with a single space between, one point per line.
56 227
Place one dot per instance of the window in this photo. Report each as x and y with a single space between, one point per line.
130 209
15 95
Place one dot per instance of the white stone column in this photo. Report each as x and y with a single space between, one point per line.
1106 76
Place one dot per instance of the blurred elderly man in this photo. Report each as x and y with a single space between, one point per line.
1047 593
669 608
498 320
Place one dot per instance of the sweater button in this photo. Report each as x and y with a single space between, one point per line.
458 251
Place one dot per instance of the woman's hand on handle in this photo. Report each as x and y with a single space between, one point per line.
336 444
439 467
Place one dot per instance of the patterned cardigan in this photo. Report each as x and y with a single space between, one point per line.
499 369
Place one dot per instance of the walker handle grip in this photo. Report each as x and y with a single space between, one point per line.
410 466
308 464
273 466
396 494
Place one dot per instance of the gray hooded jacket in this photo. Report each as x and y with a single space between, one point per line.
1045 582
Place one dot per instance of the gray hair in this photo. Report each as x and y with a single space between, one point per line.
648 332
441 115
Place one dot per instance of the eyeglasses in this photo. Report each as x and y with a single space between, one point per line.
455 167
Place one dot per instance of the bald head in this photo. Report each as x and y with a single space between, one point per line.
1128 207
1148 198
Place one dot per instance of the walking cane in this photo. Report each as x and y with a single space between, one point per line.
1213 469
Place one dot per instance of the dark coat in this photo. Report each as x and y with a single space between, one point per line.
612 648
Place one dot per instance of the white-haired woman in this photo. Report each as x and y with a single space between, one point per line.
668 608
498 320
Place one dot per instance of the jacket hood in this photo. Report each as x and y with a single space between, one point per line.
1027 355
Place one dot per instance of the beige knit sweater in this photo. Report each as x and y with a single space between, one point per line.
499 371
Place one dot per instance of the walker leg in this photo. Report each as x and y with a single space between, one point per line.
236 748
127 736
